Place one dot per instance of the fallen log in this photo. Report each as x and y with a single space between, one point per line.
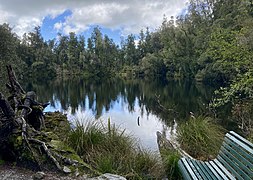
166 145
171 144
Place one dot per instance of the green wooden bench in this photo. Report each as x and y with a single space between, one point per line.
234 161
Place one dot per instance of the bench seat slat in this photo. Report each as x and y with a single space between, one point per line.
223 159
185 173
242 139
195 169
233 162
239 150
240 143
206 170
213 170
199 167
244 164
189 169
218 170
224 169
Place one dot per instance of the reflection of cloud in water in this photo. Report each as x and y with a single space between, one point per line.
146 132
119 115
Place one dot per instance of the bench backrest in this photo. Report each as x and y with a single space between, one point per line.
236 154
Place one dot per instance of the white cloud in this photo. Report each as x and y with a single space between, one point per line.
26 23
128 15
58 26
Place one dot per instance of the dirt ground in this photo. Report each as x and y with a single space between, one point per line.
10 172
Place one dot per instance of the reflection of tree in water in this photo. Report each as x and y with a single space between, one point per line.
177 98
168 100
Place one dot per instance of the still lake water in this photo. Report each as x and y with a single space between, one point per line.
141 107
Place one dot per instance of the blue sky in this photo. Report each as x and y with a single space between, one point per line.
47 27
115 17
49 32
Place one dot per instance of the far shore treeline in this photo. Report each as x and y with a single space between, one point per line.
212 42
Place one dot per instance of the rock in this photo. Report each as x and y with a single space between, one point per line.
77 173
39 175
66 169
85 176
70 161
108 176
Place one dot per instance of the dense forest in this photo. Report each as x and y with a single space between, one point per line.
212 42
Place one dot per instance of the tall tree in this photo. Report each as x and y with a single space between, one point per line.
72 51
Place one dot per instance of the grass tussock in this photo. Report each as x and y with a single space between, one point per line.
201 137
109 150
170 161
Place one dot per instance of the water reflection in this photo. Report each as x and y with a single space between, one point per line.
155 103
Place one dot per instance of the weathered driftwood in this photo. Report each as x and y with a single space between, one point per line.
21 122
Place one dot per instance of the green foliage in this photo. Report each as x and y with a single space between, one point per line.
200 137
211 42
107 149
242 113
9 46
171 158
1 161
224 59
241 88
151 65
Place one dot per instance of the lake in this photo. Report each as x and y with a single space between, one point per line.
141 107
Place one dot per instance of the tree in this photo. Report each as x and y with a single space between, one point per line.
130 52
61 51
39 57
72 51
151 65
82 52
9 45
141 45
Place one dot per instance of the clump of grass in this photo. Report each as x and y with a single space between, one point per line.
201 137
110 150
170 160
84 136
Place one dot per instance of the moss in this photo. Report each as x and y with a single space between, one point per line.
16 141
27 155
52 135
58 124
2 161
74 156
60 146
57 131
